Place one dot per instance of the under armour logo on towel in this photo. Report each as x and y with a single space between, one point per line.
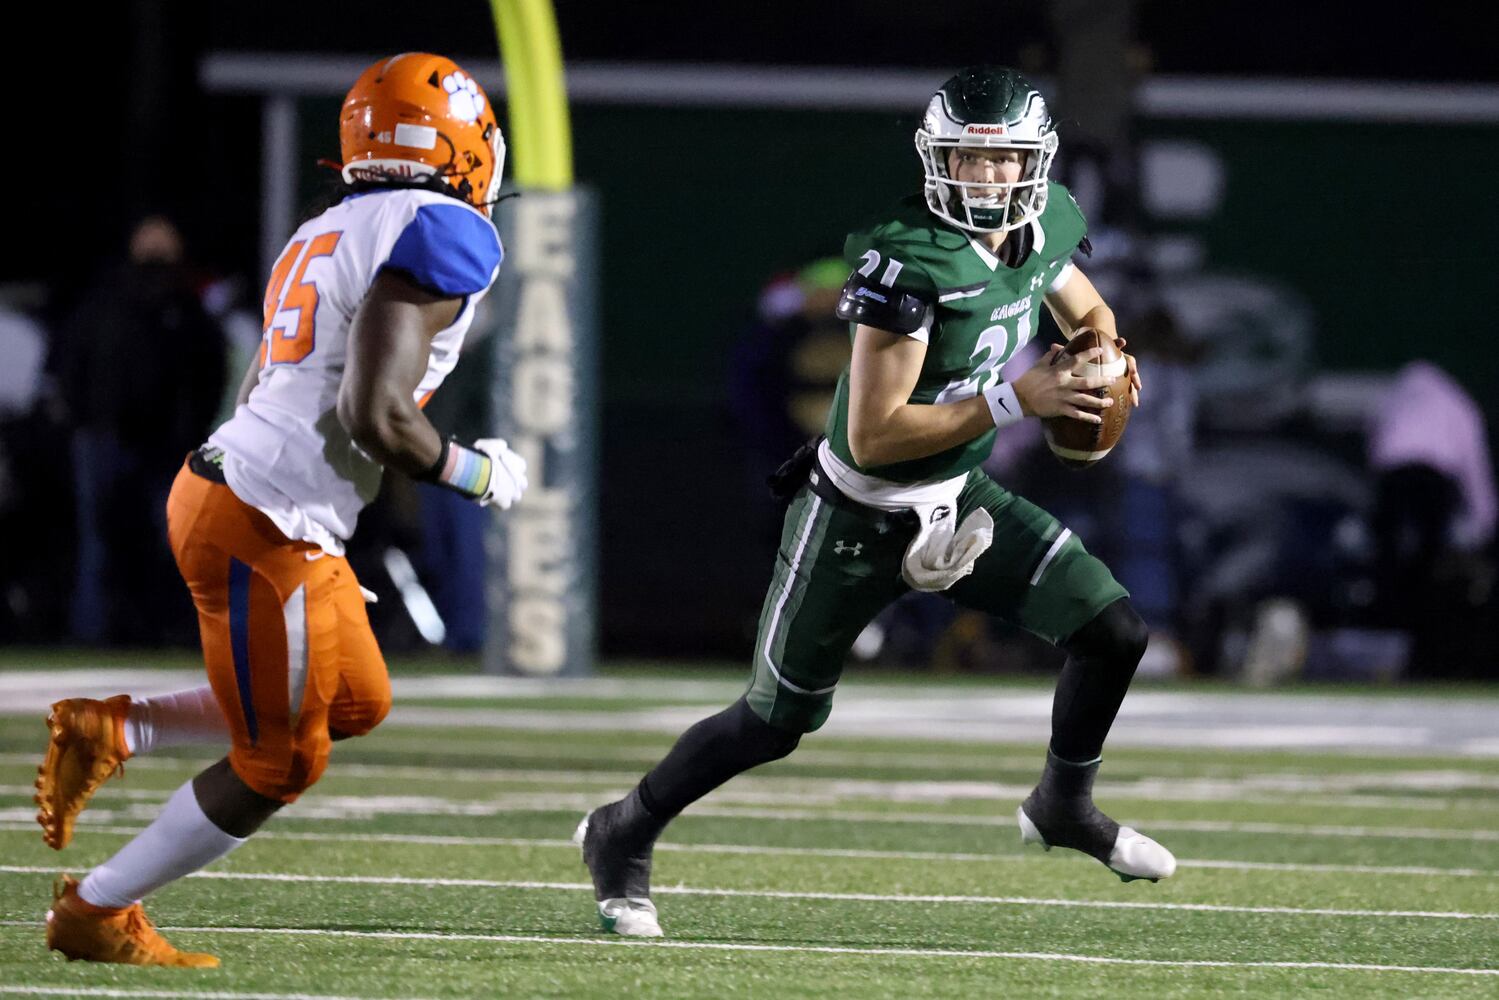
940 513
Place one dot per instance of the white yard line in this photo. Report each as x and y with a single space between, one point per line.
1300 830
862 897
345 809
616 942
1120 780
800 790
103 991
982 714
807 852
340 808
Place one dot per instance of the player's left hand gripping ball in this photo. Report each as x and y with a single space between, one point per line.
507 474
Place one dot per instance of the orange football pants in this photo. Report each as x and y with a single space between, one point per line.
286 640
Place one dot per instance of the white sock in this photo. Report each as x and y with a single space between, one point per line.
177 719
180 841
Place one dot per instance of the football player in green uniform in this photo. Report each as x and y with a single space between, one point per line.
944 289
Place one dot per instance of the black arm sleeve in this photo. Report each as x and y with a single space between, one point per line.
880 306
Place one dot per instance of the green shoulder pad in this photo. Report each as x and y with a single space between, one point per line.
1062 224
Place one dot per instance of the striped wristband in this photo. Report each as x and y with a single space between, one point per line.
461 469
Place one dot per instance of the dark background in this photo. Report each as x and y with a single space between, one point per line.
1332 209
126 129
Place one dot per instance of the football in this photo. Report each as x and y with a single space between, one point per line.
1077 443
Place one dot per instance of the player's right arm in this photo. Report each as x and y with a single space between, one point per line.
390 341
884 427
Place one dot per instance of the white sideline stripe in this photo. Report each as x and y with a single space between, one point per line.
834 791
134 794
102 991
1154 786
1344 725
451 840
337 808
835 88
1304 866
858 897
742 805
1292 829
1124 776
618 942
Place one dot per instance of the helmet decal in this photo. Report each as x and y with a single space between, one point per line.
416 136
465 100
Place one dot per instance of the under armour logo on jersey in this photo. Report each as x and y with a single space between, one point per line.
841 547
1036 281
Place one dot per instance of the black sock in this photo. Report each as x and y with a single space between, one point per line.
1101 661
1062 807
1067 780
710 753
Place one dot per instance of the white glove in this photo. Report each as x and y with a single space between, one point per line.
507 474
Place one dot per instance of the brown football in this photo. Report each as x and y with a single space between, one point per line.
1078 443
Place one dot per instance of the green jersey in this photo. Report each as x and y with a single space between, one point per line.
980 311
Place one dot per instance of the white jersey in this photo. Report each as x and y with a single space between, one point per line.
285 451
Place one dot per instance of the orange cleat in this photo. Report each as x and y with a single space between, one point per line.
87 749
91 933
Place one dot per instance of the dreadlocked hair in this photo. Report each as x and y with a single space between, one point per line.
337 189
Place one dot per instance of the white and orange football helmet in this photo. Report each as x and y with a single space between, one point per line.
419 115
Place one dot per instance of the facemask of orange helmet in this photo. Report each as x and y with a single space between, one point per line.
416 116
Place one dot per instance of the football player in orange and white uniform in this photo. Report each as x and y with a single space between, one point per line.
364 315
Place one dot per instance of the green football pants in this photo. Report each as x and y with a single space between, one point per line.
839 565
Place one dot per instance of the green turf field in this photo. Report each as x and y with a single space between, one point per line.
433 861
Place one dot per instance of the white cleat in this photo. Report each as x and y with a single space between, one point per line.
631 917
1134 855
1137 856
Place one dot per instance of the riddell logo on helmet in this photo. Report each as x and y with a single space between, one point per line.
385 170
985 130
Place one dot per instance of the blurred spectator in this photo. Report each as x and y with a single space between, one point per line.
1152 458
228 300
451 560
783 372
1433 521
1432 443
23 348
31 537
140 370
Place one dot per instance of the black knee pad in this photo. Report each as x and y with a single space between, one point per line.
1117 634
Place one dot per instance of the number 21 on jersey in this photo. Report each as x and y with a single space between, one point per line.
286 342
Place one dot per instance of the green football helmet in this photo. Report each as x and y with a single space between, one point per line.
994 107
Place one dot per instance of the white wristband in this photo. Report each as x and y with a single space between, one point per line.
1004 405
